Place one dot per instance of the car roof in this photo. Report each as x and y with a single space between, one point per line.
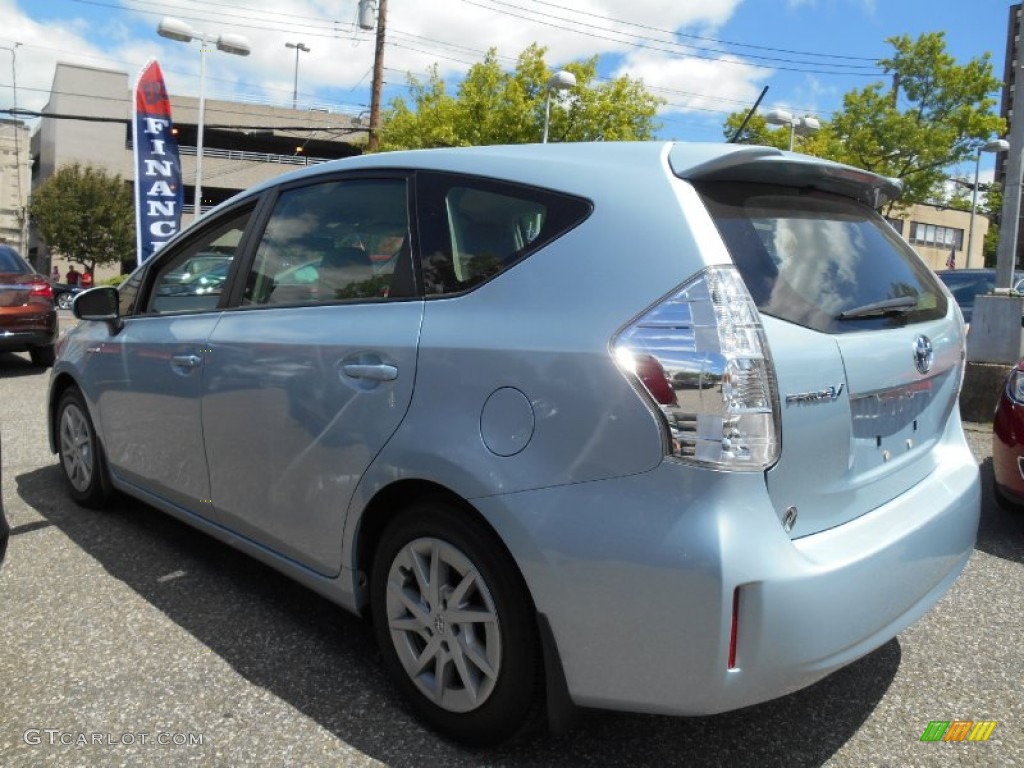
583 167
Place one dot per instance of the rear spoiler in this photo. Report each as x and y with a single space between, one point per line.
768 165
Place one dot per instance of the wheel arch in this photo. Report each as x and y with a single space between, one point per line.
391 501
62 382
558 709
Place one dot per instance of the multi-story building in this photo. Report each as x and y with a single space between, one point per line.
14 183
938 233
88 120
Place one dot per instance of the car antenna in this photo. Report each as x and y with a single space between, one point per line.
750 114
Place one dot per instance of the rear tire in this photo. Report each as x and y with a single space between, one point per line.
1009 502
65 299
455 625
80 452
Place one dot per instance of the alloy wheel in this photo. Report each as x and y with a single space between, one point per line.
443 624
76 447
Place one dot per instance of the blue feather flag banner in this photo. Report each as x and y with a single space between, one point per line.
158 191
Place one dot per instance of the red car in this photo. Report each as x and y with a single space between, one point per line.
1008 440
28 317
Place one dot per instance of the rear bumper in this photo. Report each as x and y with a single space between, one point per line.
22 333
637 577
1008 448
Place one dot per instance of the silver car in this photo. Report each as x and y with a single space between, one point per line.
656 427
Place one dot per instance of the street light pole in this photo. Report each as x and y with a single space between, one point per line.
22 207
295 88
999 145
198 202
175 29
807 124
560 81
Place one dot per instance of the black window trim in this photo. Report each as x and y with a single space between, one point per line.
187 238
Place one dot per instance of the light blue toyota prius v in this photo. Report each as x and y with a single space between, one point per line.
656 427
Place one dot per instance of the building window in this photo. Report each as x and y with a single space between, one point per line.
936 237
896 224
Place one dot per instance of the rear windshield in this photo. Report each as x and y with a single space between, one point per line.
12 262
821 261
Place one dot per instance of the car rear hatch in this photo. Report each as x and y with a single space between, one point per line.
867 352
16 289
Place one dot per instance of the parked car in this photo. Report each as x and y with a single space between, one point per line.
28 317
967 284
195 266
1008 441
64 294
207 282
645 426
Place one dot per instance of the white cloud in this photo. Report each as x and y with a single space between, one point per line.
727 84
452 33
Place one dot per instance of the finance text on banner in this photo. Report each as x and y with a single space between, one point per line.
158 190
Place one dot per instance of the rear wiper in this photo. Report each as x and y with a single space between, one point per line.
897 306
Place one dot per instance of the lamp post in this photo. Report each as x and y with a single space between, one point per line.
997 145
22 212
295 88
175 29
802 125
560 81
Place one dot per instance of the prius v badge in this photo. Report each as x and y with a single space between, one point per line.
827 395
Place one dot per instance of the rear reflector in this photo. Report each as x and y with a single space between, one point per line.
734 630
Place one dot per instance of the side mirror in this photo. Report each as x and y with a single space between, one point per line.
100 304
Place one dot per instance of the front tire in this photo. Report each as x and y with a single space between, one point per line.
65 299
80 452
455 624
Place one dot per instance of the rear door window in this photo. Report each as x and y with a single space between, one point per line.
473 228
822 261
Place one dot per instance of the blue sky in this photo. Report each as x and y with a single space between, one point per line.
705 57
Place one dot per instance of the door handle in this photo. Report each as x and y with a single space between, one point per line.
187 361
379 372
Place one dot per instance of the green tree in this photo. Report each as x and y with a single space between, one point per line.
86 215
493 106
939 116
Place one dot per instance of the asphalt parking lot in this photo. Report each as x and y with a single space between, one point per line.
127 638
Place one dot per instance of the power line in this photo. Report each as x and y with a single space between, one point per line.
243 21
701 37
835 68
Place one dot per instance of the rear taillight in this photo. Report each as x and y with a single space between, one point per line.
1015 386
41 289
702 357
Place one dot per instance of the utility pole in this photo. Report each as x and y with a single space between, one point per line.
378 76
1006 255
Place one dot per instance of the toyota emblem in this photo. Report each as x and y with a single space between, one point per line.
924 355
